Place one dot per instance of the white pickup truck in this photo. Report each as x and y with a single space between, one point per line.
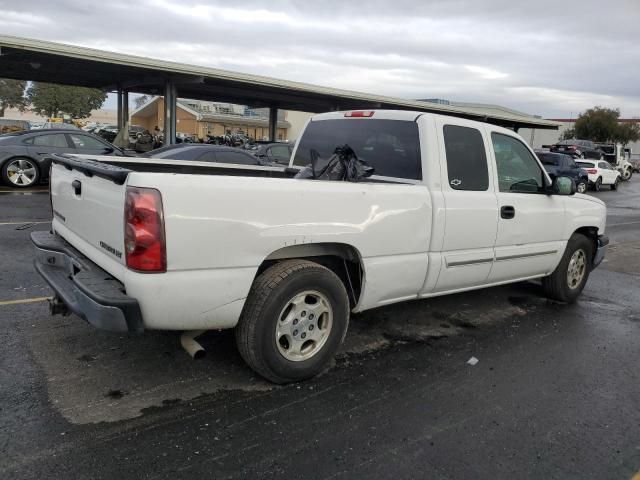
453 205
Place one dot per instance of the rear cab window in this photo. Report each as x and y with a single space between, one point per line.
391 147
466 158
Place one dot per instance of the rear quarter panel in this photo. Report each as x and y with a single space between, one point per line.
220 229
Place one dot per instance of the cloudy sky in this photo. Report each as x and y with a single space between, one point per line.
553 58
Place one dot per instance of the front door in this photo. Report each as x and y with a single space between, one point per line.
531 222
89 145
471 209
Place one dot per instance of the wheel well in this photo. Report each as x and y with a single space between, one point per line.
342 259
591 233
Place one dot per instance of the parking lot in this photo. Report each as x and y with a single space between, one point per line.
554 394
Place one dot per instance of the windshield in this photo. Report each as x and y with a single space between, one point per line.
391 147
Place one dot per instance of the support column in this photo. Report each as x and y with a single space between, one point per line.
119 112
170 98
125 110
273 123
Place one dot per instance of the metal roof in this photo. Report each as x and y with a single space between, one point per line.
43 61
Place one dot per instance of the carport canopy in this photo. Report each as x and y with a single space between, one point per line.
43 61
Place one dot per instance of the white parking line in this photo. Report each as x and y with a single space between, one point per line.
23 300
623 223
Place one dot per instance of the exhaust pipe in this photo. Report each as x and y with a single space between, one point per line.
58 307
189 343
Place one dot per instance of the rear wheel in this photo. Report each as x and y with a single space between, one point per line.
598 185
295 318
20 172
570 276
581 187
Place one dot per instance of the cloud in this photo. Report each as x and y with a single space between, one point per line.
541 57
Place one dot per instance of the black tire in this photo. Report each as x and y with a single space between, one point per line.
270 293
598 185
556 286
614 185
32 164
581 187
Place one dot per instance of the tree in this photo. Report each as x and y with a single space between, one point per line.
140 101
628 132
50 100
568 134
601 125
12 95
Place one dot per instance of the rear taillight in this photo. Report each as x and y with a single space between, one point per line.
592 170
571 147
360 114
144 240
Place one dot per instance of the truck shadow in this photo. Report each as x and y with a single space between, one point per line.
95 376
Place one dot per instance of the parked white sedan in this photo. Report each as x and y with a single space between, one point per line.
600 173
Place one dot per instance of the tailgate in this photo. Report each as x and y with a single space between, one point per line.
88 208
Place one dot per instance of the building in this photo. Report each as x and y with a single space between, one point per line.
201 118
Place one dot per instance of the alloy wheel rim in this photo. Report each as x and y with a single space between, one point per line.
304 325
21 172
577 268
581 188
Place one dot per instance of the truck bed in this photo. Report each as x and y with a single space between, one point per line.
118 168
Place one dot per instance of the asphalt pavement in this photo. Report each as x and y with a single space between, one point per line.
554 394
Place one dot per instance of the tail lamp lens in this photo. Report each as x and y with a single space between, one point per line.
592 170
359 114
144 238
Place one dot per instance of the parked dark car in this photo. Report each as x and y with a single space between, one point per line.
8 126
203 152
274 152
24 155
578 149
558 164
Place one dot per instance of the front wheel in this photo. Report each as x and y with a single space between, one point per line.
570 276
626 175
293 322
614 185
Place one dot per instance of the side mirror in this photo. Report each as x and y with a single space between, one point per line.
563 186
108 150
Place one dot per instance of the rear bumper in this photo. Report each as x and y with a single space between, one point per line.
603 244
83 287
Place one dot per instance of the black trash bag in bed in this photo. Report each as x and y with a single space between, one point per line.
343 165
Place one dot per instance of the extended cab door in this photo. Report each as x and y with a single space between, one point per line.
471 209
531 222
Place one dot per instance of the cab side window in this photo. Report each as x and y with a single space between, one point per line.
466 158
518 170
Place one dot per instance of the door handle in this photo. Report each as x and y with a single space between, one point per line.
507 212
77 187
